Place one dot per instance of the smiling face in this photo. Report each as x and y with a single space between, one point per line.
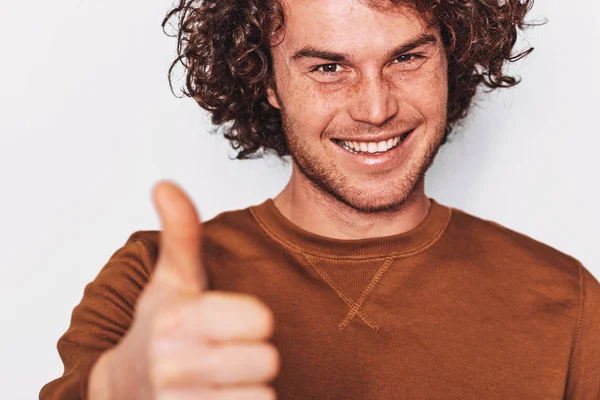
363 98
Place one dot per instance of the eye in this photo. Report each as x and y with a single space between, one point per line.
409 62
327 68
407 58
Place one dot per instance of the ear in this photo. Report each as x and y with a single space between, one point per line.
272 97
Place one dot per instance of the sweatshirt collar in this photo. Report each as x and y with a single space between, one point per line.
292 236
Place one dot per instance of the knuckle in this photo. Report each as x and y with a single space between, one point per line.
272 362
268 321
268 394
262 315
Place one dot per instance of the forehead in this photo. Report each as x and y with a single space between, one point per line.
349 25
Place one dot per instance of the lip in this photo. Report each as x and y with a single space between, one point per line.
376 161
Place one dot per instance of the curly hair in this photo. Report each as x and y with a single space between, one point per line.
224 46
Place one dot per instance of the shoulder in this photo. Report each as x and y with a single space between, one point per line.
498 242
234 232
140 249
227 233
229 222
591 293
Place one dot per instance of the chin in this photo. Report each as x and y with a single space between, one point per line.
370 200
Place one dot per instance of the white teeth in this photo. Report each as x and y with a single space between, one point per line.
370 147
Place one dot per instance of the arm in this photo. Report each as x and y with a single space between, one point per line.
139 337
583 381
103 316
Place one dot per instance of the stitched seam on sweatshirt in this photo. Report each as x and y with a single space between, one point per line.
349 302
404 253
148 263
363 296
581 311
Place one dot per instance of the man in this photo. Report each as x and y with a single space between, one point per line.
351 283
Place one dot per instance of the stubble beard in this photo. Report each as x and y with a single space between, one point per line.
334 185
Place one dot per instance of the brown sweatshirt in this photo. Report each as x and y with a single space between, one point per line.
457 308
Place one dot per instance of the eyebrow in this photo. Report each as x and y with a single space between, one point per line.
314 52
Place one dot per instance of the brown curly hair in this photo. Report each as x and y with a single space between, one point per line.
224 46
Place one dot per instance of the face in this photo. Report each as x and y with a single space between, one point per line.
363 95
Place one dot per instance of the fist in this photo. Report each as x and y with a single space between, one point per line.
186 342
213 346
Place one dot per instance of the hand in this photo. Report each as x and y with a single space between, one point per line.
188 343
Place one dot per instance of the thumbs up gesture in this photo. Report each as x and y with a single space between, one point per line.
186 342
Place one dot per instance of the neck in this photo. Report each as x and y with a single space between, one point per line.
317 212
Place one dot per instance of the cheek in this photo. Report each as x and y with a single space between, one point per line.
310 110
427 92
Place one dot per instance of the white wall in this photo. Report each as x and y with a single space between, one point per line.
88 124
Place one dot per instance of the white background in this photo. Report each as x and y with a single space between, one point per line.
88 124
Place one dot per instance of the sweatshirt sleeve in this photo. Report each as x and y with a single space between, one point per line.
103 316
583 381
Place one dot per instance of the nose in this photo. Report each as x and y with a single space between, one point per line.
372 101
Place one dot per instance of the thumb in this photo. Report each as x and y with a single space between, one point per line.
180 256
